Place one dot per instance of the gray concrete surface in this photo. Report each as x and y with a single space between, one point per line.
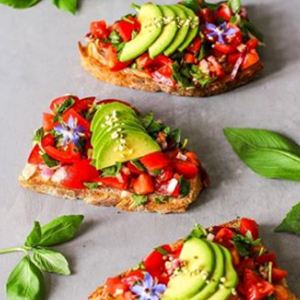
39 61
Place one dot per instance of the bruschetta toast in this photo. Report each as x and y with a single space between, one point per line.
223 262
189 49
109 154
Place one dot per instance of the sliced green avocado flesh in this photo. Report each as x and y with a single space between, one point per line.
151 20
168 33
181 33
138 144
194 27
214 281
199 263
231 279
105 110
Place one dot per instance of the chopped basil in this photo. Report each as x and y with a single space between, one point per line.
184 144
112 171
161 199
184 186
175 136
63 107
204 50
115 37
203 78
38 135
147 119
138 165
134 34
198 232
91 185
120 46
139 266
162 251
154 127
49 161
139 199
167 130
156 172
243 243
180 78
235 6
250 28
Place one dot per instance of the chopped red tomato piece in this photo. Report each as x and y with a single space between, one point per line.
232 58
83 104
266 258
224 237
215 67
114 182
143 61
246 263
48 123
249 225
164 76
251 58
256 288
143 185
57 102
76 116
133 276
227 49
113 62
281 292
185 168
252 44
165 175
235 256
114 285
190 58
206 15
125 30
99 29
155 161
68 156
278 274
224 12
192 157
195 46
133 168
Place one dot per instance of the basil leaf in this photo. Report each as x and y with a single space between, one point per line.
235 5
182 80
139 199
244 243
291 222
49 161
161 199
192 4
198 232
115 37
20 3
175 136
138 165
203 78
60 230
25 282
147 119
184 187
162 251
154 127
38 135
67 5
112 171
63 107
267 153
35 235
250 28
51 261
91 185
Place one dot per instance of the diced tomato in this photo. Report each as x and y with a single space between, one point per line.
143 61
125 30
34 156
256 288
232 58
252 44
143 185
227 49
281 292
249 225
76 116
48 123
206 15
56 103
172 154
114 182
278 274
99 29
235 256
224 237
113 62
68 156
215 67
133 169
246 263
155 161
164 76
251 58
195 46
114 285
83 104
190 58
223 12
176 191
185 168
165 175
266 258
133 276
237 38
192 157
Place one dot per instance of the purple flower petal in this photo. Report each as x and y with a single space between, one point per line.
211 26
159 289
60 129
148 281
230 31
71 122
153 297
212 34
223 25
79 129
221 39
138 290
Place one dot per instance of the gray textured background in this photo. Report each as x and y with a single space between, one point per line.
39 61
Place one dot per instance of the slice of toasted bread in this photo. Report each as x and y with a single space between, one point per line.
105 196
94 63
99 293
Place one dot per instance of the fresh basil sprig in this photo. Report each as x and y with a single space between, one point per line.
26 281
291 222
68 5
235 5
267 153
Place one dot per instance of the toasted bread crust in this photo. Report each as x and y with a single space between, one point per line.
99 292
94 63
105 196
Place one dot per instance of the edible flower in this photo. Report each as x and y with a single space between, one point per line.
71 132
147 289
220 32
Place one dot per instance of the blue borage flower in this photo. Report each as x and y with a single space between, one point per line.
147 289
220 32
71 132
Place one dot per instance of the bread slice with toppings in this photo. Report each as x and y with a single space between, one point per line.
207 264
197 51
109 154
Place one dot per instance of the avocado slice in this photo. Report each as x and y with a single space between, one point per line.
138 144
151 20
181 33
231 279
199 258
194 28
215 279
107 110
168 33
